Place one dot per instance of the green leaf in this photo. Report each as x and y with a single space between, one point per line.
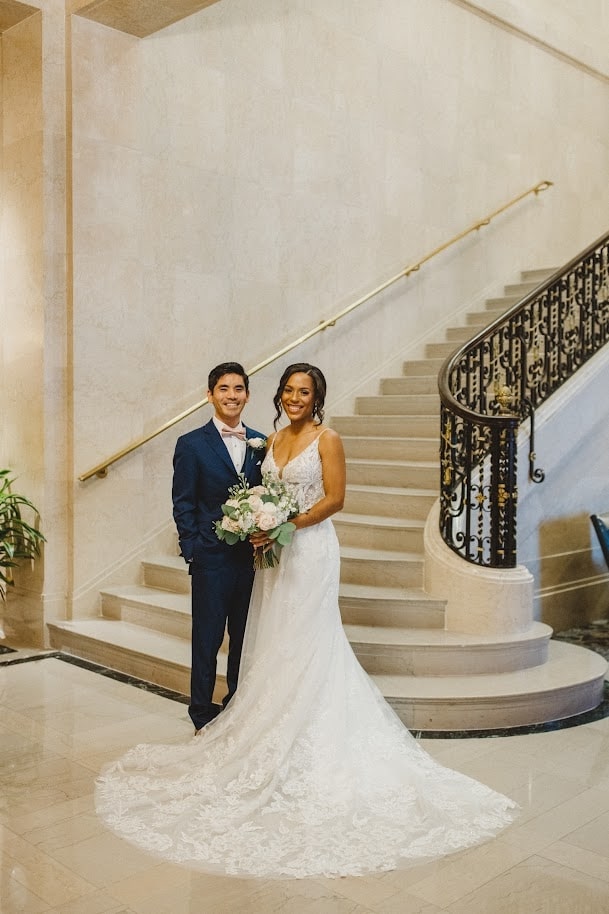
283 533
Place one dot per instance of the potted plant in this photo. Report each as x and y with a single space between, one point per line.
18 539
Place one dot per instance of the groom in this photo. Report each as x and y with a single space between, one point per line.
207 461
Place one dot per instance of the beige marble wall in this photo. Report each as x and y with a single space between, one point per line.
576 29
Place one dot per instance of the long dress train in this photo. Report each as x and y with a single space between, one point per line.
308 771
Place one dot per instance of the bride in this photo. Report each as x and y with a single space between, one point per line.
308 771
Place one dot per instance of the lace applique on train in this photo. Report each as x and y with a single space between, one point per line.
308 772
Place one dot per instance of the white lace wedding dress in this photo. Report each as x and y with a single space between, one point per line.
308 771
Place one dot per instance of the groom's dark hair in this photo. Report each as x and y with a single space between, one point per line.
227 368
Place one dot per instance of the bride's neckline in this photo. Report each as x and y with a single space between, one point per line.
280 470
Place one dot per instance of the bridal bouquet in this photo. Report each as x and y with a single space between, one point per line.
266 508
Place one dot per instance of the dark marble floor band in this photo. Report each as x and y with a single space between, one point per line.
594 636
99 669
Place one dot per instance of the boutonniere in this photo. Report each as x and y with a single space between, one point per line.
256 444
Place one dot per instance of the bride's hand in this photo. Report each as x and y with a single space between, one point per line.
261 541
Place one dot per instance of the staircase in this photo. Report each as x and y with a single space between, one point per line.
435 680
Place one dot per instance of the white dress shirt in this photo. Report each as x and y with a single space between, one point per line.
234 446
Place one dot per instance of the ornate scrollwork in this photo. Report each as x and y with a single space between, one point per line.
489 388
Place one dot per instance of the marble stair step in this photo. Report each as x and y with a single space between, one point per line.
427 366
398 405
379 532
159 610
570 682
414 384
148 655
407 607
163 610
435 652
419 474
460 334
387 448
358 565
407 503
388 426
166 572
480 319
538 275
520 289
360 604
443 350
503 302
384 568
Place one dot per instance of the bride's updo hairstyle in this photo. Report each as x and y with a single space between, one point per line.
319 389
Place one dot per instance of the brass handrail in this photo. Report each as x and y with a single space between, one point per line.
101 469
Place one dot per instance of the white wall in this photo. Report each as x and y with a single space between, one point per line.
578 30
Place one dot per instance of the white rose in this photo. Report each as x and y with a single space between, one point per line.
267 517
254 503
229 524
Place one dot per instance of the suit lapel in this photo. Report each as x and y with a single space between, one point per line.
249 454
214 439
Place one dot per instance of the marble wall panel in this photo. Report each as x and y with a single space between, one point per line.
21 81
109 388
106 528
575 29
106 80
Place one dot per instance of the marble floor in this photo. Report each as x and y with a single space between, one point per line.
61 720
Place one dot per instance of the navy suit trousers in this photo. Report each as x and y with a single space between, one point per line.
220 599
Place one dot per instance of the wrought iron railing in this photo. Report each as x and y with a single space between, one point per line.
496 381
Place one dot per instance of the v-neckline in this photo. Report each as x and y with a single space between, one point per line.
281 470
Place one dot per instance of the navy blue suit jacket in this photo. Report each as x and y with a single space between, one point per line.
202 474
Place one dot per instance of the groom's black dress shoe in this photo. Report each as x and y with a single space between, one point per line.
213 712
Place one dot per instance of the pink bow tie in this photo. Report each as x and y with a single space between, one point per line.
233 433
